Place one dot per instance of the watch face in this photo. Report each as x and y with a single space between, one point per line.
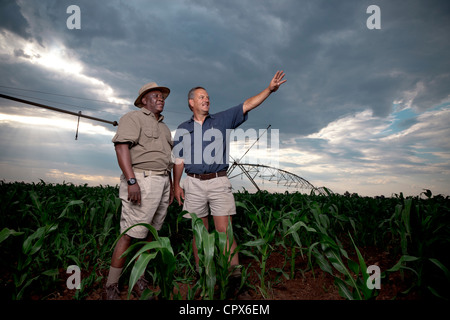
131 181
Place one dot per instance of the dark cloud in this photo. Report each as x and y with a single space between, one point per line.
335 65
12 19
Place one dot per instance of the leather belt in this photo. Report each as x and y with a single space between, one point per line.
208 176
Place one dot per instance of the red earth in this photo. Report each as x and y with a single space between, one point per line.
307 284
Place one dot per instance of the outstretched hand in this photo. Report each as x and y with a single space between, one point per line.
277 81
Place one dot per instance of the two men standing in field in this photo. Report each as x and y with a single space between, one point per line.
143 146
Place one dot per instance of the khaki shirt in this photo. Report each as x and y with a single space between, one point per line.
150 140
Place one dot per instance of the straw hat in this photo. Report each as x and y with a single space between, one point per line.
149 87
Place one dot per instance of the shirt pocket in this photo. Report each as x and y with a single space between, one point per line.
151 133
150 140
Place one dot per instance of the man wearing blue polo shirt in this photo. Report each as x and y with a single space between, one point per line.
200 148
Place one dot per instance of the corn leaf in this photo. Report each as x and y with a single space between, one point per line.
343 289
139 268
400 264
5 233
441 266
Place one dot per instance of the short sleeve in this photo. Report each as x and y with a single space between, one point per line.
232 117
238 116
128 130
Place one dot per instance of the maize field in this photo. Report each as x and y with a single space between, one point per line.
290 246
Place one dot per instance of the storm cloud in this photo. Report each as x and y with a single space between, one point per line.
360 107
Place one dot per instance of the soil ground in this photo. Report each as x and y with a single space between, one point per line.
307 284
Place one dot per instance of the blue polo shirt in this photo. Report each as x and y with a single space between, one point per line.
204 147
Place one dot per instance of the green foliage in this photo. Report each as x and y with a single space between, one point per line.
158 249
320 226
46 227
266 223
214 252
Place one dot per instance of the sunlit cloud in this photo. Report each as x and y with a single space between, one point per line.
58 60
359 151
352 127
54 123
78 178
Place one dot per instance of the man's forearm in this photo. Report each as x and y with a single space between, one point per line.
177 173
255 101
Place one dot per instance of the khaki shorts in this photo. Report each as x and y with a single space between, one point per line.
201 196
155 191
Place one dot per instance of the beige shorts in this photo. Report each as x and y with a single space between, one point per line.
155 192
201 196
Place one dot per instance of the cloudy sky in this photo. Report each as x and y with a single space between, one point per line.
363 110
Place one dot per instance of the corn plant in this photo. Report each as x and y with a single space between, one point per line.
266 222
424 232
361 282
332 255
293 236
205 246
54 230
159 250
223 256
5 233
46 227
214 252
418 270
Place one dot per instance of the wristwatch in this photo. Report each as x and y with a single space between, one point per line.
131 181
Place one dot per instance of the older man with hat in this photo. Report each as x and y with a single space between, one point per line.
143 145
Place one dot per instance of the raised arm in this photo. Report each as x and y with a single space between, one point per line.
255 101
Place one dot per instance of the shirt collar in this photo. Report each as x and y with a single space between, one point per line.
208 116
148 112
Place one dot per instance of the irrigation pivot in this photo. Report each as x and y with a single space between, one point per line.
280 176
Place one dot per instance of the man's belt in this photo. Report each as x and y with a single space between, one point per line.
208 176
152 172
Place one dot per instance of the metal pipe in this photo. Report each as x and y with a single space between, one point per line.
114 123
